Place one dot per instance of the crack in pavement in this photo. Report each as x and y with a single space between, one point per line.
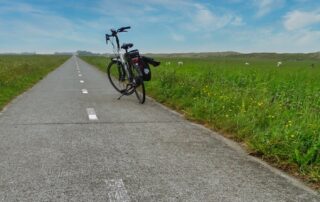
93 123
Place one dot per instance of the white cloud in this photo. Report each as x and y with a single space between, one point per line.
204 19
267 6
304 41
177 37
272 40
204 16
237 21
207 19
234 1
299 19
184 14
42 29
308 38
9 7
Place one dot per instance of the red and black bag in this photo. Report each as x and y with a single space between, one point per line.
142 62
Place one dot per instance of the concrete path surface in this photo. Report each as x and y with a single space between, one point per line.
70 139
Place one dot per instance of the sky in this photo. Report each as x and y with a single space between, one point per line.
161 26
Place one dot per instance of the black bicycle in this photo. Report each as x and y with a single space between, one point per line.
128 71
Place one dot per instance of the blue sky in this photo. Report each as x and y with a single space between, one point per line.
47 26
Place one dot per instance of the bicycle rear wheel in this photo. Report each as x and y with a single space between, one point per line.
117 76
139 89
141 93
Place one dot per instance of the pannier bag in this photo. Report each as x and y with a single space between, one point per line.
145 69
132 54
135 58
142 62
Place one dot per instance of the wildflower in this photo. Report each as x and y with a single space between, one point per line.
288 124
260 104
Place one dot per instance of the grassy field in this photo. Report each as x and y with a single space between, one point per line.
18 73
274 111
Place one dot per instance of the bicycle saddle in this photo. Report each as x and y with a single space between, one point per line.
126 46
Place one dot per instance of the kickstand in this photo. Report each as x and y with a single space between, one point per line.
121 96
125 91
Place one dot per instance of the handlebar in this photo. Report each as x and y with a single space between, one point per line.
123 29
115 32
107 38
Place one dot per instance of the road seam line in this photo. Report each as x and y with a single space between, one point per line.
103 122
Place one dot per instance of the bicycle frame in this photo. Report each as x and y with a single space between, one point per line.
120 57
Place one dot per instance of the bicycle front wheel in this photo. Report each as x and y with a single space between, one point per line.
117 76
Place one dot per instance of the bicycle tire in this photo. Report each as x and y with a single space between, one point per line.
142 95
117 76
140 88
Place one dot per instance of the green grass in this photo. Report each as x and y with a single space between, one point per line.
18 73
275 111
98 61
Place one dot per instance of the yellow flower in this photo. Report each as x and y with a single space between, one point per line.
260 104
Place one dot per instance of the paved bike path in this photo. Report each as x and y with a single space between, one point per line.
51 151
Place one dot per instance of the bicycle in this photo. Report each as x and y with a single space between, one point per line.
128 71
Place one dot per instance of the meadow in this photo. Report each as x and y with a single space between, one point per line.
273 111
20 72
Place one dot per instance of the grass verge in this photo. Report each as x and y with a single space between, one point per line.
18 73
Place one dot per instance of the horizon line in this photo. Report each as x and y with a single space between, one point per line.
160 53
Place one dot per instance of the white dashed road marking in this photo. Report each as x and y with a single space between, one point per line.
92 114
84 91
117 191
81 81
80 75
